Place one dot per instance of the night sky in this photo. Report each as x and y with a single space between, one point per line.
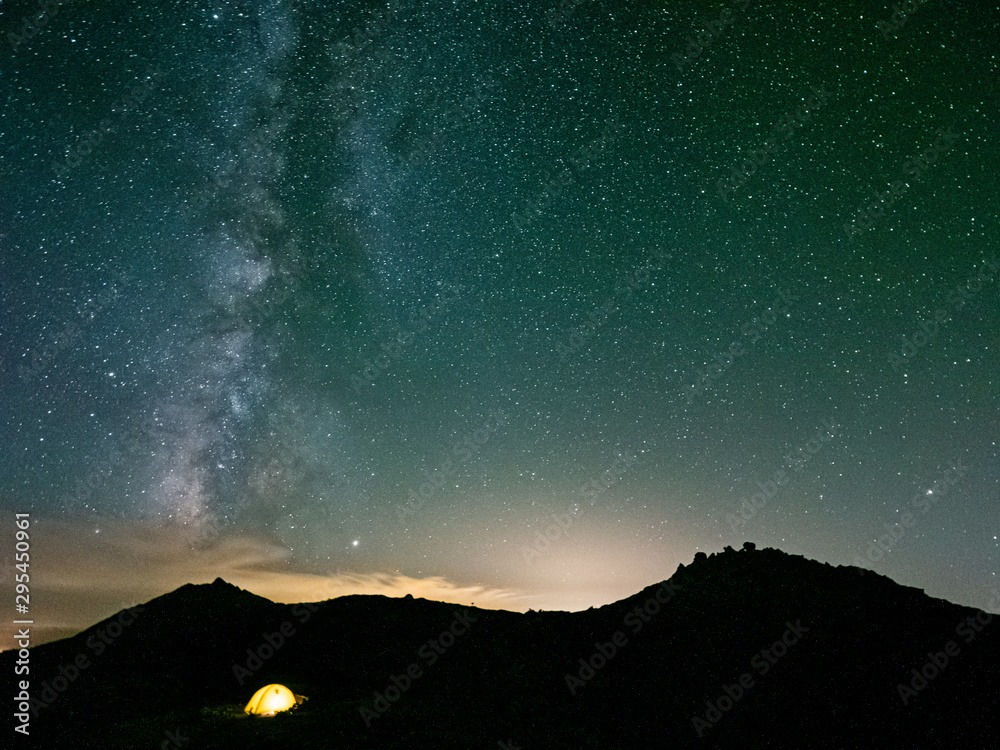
513 303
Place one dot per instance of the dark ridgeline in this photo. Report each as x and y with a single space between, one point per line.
750 648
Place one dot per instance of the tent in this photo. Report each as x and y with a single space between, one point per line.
271 699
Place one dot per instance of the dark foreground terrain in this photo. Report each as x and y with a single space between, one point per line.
749 648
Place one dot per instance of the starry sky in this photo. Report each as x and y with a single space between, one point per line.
516 303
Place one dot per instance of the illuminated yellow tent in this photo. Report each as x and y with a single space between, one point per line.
271 699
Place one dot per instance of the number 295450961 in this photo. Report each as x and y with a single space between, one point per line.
22 595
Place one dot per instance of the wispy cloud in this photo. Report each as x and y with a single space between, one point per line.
82 573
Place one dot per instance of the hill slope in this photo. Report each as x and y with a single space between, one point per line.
739 649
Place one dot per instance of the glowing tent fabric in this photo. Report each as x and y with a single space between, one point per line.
271 699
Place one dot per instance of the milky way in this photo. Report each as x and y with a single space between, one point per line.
524 302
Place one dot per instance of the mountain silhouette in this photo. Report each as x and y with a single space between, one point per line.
749 648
